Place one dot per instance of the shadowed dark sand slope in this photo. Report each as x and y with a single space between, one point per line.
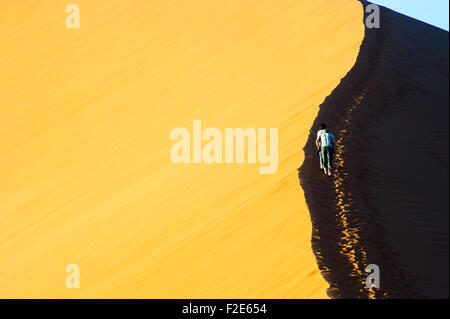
387 201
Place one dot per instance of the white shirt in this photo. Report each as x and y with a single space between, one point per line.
326 139
319 133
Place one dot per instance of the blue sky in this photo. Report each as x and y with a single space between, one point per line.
434 12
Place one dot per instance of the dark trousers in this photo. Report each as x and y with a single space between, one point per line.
327 156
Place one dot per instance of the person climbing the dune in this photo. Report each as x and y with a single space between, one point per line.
319 133
327 142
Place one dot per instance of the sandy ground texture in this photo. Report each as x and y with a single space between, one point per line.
387 201
85 118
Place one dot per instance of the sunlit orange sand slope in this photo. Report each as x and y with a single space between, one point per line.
85 120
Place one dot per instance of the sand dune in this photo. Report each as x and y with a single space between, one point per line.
387 203
85 119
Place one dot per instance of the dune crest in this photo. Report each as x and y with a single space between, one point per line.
387 202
